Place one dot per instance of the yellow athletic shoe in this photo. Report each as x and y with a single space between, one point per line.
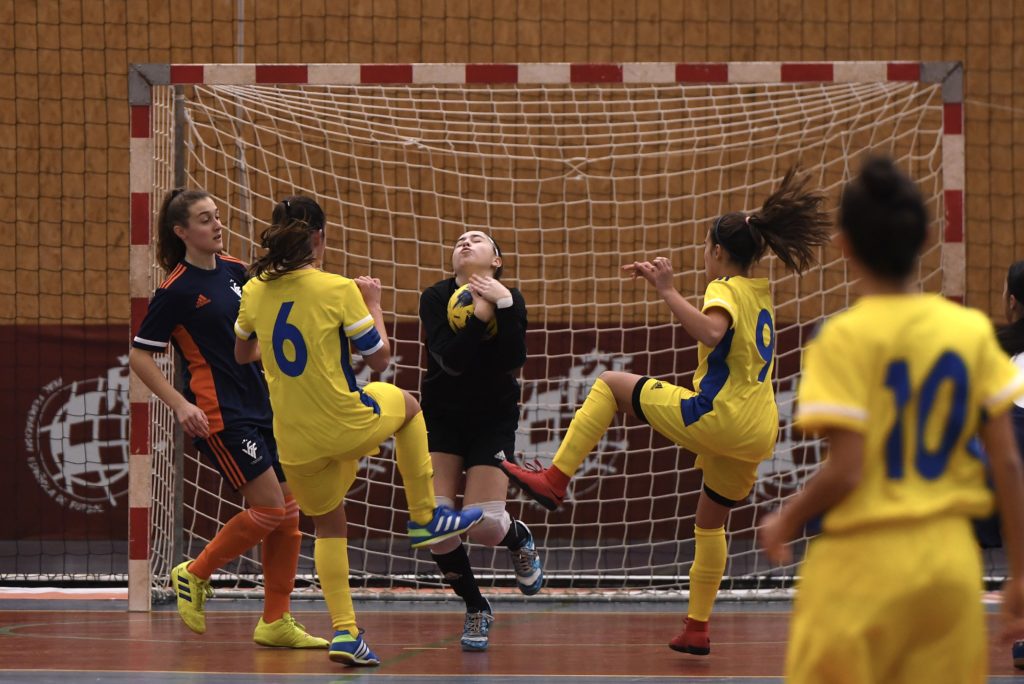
192 593
286 633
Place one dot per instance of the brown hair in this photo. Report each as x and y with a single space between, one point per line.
791 223
175 210
287 240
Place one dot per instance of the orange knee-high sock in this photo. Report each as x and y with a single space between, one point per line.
280 556
241 533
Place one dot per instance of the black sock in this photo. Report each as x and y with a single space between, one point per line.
516 536
456 571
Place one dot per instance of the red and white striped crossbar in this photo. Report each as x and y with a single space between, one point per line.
539 73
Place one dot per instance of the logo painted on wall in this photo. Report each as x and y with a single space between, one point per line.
76 436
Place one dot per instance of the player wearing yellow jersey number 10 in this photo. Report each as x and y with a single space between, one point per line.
303 323
729 419
901 385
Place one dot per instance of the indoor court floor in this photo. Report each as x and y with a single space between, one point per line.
60 640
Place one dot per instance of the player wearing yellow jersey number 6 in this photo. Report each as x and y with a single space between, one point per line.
304 322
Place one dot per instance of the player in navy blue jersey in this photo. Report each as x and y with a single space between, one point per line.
225 407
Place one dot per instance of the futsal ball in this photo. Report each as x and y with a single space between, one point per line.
460 308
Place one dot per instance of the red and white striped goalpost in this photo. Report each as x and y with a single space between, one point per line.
143 78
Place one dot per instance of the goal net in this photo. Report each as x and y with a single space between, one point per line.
573 172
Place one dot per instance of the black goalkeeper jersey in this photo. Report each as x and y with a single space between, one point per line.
466 372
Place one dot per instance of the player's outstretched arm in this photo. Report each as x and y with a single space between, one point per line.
838 476
1008 478
708 328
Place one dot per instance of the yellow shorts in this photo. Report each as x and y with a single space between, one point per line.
319 486
900 603
733 478
730 477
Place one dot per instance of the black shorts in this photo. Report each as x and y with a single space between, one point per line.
479 440
242 454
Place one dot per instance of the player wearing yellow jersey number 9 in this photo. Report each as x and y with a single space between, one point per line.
729 419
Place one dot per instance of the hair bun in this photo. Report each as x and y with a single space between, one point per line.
881 178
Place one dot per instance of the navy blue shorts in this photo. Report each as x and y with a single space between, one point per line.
478 440
242 454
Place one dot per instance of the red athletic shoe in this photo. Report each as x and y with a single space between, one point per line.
536 484
694 639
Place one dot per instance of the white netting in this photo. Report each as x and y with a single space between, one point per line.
572 181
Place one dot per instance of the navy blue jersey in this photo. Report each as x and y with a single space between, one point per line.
195 310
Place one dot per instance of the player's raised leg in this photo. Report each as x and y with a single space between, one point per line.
610 393
428 523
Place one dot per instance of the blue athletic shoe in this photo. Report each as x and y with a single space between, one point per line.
526 561
1018 654
446 523
351 650
475 630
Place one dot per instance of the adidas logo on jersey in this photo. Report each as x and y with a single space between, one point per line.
201 301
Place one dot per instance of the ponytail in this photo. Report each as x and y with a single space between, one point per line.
174 211
288 239
791 223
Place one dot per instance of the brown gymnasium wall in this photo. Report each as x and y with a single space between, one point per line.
64 112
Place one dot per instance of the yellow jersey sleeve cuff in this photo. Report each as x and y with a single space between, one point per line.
1001 401
359 327
816 417
721 304
241 333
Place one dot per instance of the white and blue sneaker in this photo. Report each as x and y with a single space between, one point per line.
476 629
351 650
526 561
446 523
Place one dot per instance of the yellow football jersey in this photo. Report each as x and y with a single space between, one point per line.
916 374
733 380
304 322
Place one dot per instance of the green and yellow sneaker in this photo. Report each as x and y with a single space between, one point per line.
286 633
192 593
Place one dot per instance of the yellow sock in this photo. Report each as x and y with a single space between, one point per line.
588 425
417 473
709 557
331 557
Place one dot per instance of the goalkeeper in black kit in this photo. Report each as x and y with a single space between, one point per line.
475 331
